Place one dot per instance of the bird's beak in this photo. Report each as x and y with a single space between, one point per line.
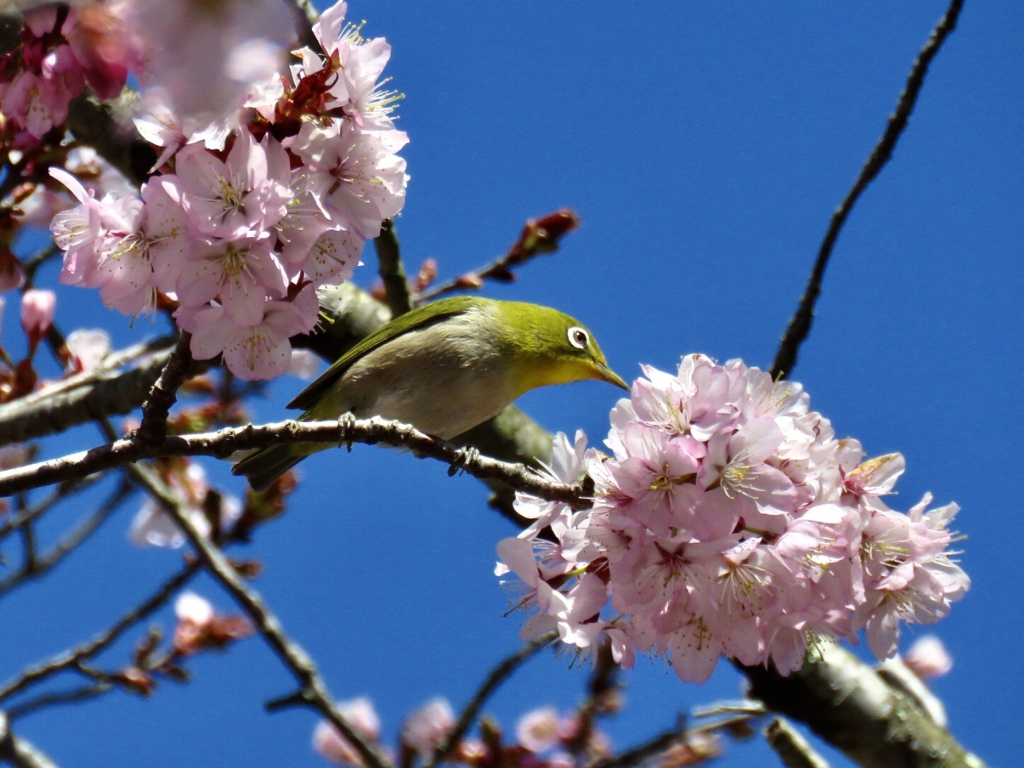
611 376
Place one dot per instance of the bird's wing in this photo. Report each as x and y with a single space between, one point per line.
420 317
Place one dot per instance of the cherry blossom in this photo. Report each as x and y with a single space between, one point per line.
538 730
361 717
729 522
226 45
200 626
244 194
257 351
193 608
87 348
153 527
57 57
928 658
252 210
428 726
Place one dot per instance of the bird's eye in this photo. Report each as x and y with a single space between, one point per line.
578 337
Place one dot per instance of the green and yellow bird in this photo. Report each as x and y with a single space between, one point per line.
444 367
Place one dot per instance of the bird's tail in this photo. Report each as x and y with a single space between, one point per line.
264 466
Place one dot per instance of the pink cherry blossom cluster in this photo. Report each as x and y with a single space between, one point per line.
59 54
729 522
170 48
256 214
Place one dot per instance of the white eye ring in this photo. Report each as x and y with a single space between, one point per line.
578 337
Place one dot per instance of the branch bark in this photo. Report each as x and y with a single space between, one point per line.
225 442
105 391
849 705
19 752
312 687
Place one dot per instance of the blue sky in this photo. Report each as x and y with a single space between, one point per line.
705 148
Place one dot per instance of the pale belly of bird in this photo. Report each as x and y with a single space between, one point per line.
449 406
457 381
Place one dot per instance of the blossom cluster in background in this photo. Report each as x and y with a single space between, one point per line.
62 50
729 522
542 738
270 180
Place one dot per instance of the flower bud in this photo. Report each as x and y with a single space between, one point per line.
37 314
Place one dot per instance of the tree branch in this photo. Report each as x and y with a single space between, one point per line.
19 752
105 127
70 659
846 703
800 324
37 567
696 750
165 392
294 657
511 436
226 441
497 676
103 391
391 270
60 698
792 748
63 492
538 237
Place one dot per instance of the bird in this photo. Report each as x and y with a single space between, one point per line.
443 367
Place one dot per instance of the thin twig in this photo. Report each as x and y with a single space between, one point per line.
165 392
800 324
539 236
28 541
63 492
498 675
648 749
71 658
391 270
680 735
226 441
31 264
600 700
792 748
314 690
38 566
71 696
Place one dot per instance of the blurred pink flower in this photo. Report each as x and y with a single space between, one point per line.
304 364
204 55
428 726
928 658
87 348
193 608
361 717
153 527
538 729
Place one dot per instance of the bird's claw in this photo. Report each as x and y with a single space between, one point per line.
345 424
463 457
